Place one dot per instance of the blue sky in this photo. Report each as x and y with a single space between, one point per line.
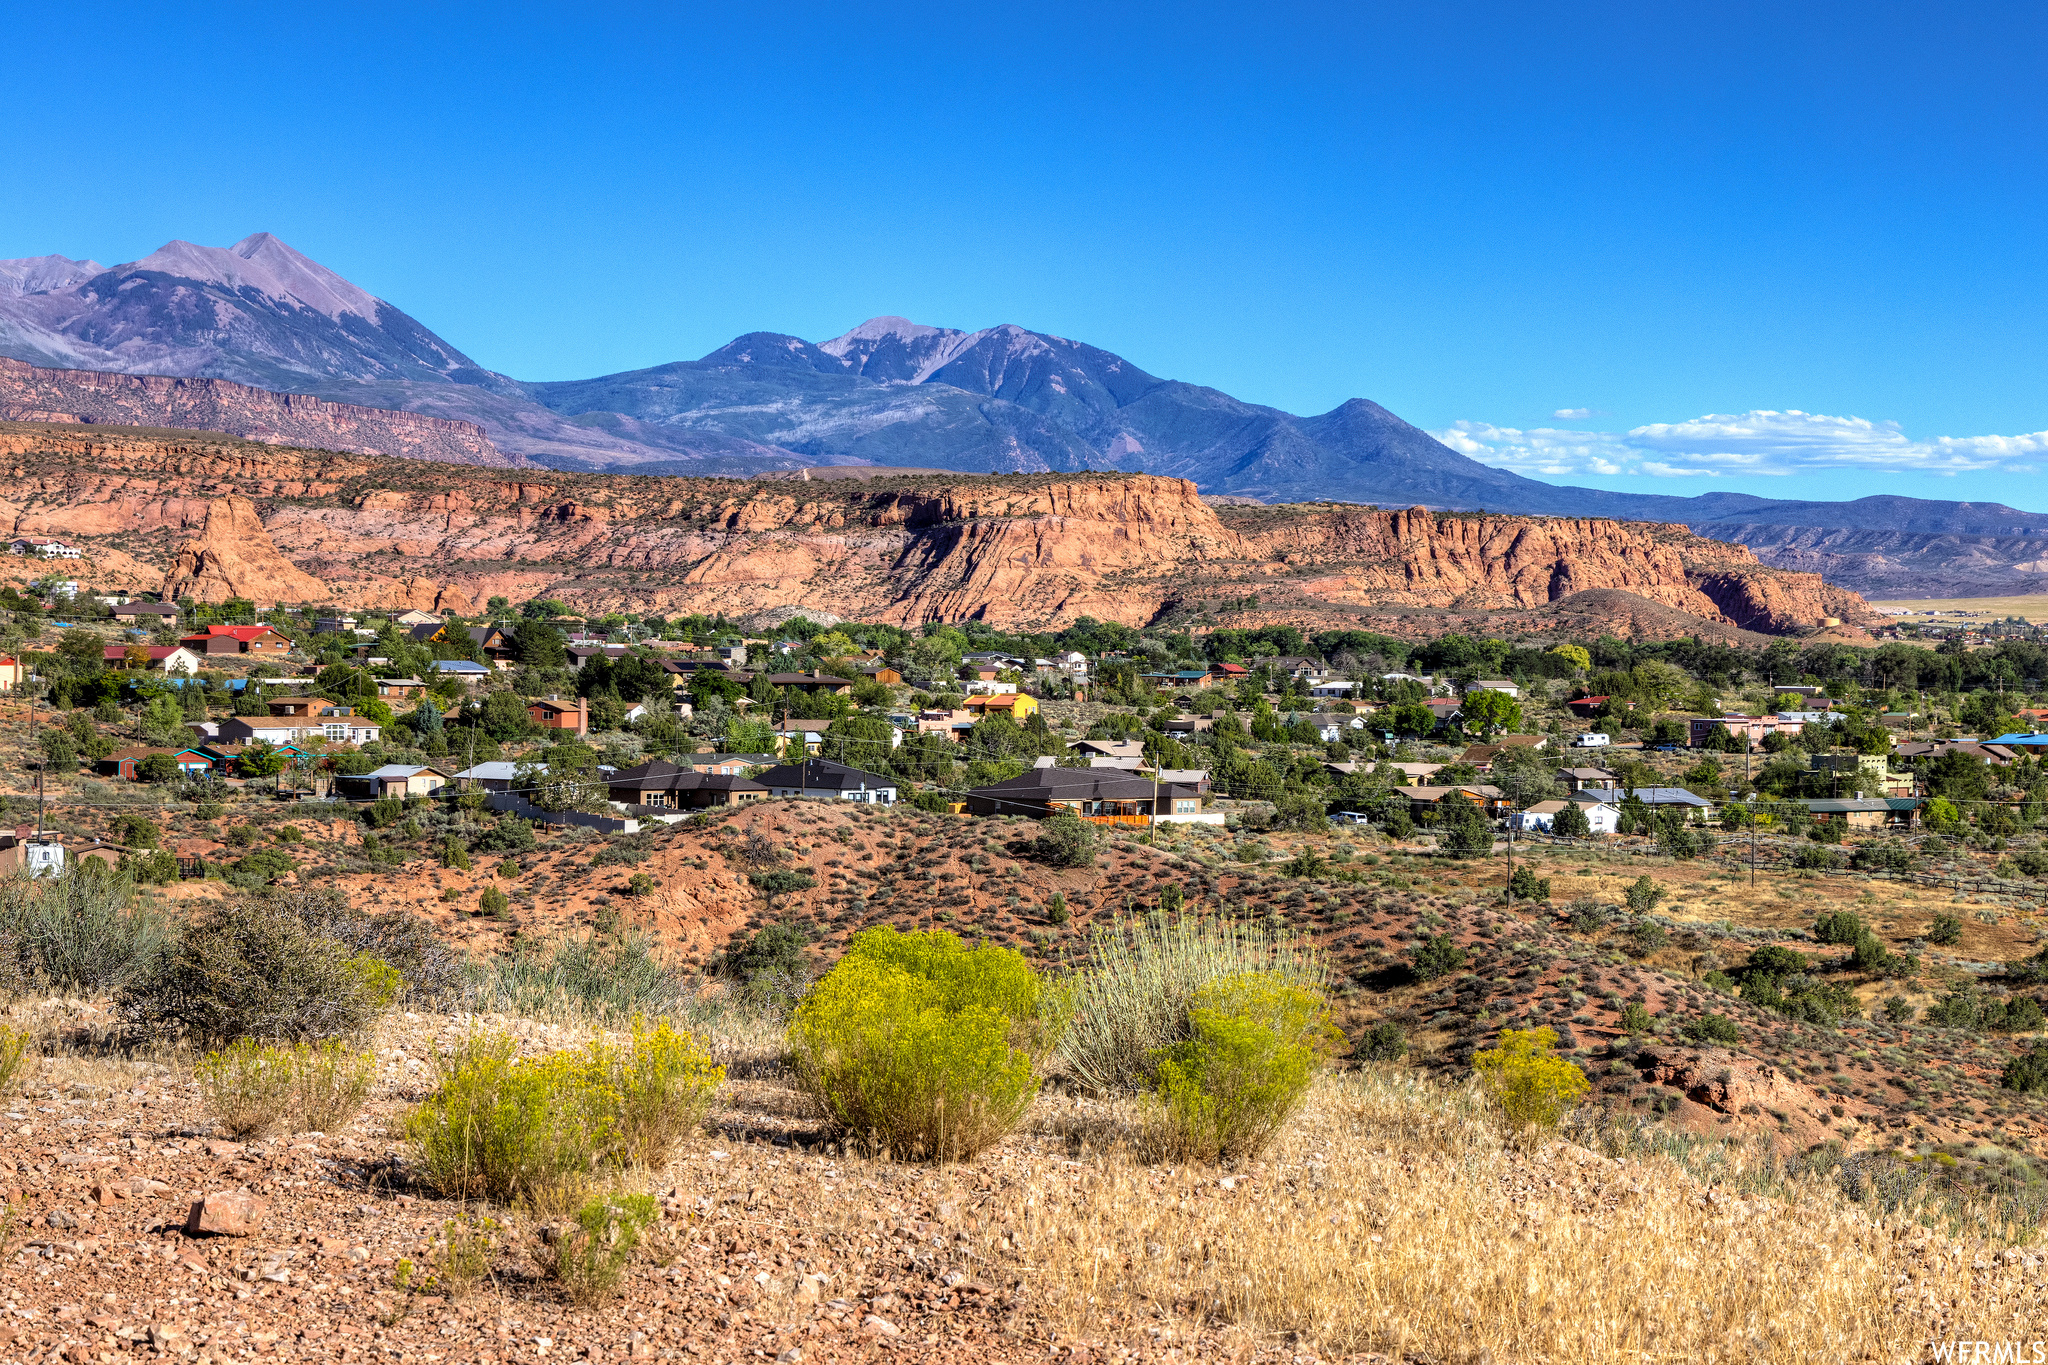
1789 249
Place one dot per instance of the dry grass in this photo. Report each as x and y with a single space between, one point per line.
1393 1218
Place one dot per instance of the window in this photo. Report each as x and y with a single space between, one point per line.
336 732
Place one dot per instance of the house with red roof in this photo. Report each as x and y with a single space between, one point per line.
237 640
11 673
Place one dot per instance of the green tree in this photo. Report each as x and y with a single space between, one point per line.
1489 712
503 716
261 759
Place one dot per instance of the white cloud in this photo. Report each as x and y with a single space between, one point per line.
1751 443
1572 414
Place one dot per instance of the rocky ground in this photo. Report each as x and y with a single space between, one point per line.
138 1229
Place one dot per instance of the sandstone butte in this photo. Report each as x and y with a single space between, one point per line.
236 518
29 393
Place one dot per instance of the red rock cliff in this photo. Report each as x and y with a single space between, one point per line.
1023 551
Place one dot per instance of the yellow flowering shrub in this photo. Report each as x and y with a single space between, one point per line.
1533 1086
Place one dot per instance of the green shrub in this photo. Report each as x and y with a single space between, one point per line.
433 973
1840 926
643 884
247 1086
1143 977
1946 930
1588 916
1228 1089
79 932
1635 1017
542 1130
1066 840
1646 936
1898 1009
208 810
253 969
454 855
1713 1028
1571 823
509 835
493 902
2027 1073
1437 956
1382 1041
137 831
770 965
158 867
382 813
1056 911
1720 981
508 870
1533 1087
1643 894
1959 1008
1815 857
922 1045
588 1258
1525 885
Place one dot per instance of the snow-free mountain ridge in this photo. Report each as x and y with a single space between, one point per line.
888 392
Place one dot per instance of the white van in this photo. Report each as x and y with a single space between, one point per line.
1590 741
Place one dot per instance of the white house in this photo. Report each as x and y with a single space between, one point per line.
1334 687
1603 818
1493 685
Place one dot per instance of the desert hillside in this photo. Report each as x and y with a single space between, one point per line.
1015 551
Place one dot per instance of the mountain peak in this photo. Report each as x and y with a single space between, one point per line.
36 274
264 263
889 328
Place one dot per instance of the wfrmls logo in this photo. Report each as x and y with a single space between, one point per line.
1992 1352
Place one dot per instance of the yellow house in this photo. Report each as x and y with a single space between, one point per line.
1015 705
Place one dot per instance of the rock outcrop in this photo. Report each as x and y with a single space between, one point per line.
29 393
1024 551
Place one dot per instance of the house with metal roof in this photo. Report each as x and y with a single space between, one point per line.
1099 795
822 779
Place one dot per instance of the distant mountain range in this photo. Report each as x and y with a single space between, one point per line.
897 393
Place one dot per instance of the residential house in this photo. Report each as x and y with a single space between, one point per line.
471 673
821 778
409 619
153 658
1749 728
1856 813
1018 706
1335 687
1539 818
805 735
1493 685
399 691
1199 679
664 785
148 613
881 673
730 765
496 776
1658 799
12 673
1588 708
334 625
1488 798
122 762
552 713
1874 770
948 724
1098 795
393 780
1227 673
1482 756
581 654
493 642
1578 779
1110 748
1189 725
1444 708
339 726
813 681
254 640
45 549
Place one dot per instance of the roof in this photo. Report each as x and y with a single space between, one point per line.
815 679
458 666
1439 793
1112 748
404 770
1847 805
822 774
1653 796
242 633
149 608
1076 784
153 651
660 775
489 772
2033 737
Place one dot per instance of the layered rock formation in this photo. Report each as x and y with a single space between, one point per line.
1024 551
32 394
